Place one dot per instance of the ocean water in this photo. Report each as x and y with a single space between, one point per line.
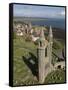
54 22
57 23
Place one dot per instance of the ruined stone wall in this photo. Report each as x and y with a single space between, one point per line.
41 63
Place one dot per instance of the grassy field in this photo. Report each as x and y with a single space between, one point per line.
25 62
57 76
22 73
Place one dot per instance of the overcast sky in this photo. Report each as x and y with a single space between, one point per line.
38 11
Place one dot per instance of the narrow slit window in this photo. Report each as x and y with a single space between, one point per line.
45 52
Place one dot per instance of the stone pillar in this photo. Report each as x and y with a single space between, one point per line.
41 64
50 45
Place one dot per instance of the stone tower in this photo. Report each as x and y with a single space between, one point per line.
41 57
44 55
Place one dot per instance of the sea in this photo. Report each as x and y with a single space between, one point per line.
54 22
57 23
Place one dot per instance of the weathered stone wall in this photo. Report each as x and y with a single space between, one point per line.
41 63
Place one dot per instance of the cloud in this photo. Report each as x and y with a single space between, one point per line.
62 13
39 11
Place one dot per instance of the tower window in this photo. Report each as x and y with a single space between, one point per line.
45 52
40 43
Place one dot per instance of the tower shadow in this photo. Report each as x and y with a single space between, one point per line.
32 63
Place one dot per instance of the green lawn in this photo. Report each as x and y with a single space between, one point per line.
57 76
22 74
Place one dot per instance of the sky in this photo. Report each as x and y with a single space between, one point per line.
38 11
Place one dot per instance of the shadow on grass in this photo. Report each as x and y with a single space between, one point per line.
32 63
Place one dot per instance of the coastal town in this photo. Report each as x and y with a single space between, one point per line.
27 28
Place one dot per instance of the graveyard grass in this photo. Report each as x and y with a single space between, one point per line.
22 74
